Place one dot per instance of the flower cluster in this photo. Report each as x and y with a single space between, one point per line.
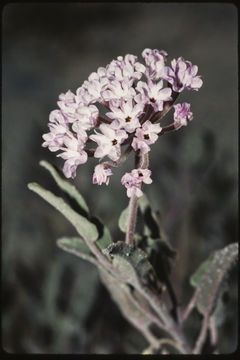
135 96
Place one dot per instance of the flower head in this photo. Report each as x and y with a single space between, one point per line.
132 96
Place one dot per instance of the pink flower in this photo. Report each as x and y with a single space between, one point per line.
155 63
182 115
118 90
153 94
145 136
101 174
132 181
83 96
99 74
96 87
74 155
58 126
68 104
183 75
71 164
126 116
86 118
127 68
108 142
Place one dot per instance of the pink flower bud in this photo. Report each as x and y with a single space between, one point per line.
182 115
101 174
133 180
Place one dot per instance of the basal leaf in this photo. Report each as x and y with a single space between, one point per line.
122 222
65 185
212 281
84 227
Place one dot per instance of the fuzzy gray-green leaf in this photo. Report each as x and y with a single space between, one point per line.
212 281
84 227
65 185
76 246
120 294
105 240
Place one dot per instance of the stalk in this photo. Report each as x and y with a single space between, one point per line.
141 162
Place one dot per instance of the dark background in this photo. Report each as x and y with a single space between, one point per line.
52 301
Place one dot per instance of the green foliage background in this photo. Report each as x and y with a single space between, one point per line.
52 301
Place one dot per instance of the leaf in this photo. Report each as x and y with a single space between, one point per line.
154 242
161 246
65 185
131 262
76 246
84 227
159 252
122 222
212 281
197 276
105 240
120 294
104 236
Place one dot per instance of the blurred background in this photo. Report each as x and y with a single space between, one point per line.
52 301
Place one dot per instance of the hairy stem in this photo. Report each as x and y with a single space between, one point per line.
141 162
132 217
213 332
168 128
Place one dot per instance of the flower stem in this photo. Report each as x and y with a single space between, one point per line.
132 217
141 162
189 307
